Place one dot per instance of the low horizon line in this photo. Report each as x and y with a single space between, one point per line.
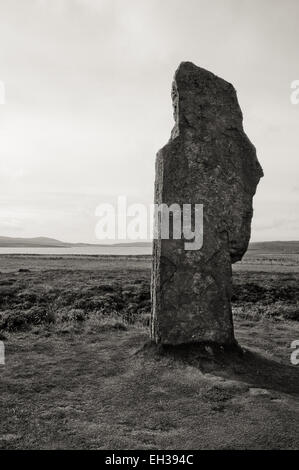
124 242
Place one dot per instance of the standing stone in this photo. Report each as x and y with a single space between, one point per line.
208 160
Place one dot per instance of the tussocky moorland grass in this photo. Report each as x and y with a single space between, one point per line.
80 372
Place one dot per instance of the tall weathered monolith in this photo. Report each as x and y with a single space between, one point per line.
208 160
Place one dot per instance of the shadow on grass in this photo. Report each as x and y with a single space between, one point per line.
233 363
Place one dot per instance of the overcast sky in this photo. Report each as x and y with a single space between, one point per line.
88 103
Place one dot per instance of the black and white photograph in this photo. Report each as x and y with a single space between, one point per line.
149 229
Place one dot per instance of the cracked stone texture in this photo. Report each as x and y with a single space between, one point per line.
208 160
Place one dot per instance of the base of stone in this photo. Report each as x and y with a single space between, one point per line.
200 354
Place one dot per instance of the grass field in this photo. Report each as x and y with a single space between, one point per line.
80 372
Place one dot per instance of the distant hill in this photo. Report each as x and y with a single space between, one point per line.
275 247
45 242
37 242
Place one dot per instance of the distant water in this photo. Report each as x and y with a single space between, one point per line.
80 250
